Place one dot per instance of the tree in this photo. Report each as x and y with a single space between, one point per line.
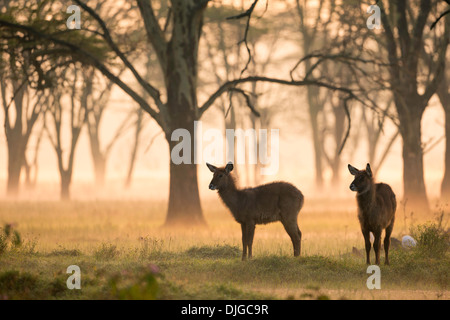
22 108
70 119
96 105
404 40
374 124
29 74
314 36
176 45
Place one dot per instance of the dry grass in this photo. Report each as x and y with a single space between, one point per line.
86 225
121 237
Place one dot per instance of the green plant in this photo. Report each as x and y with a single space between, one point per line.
150 246
9 238
17 285
106 251
214 252
432 239
144 287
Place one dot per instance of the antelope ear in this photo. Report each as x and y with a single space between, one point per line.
353 170
368 170
211 167
229 167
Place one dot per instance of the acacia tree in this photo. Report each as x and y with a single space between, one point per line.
221 50
174 106
226 60
30 165
20 112
313 36
27 75
96 105
374 125
404 34
398 54
69 119
22 108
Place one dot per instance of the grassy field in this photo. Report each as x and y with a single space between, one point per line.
124 253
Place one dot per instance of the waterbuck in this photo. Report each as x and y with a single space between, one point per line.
276 201
376 210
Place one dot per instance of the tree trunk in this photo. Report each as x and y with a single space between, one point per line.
181 84
314 109
231 147
16 139
444 97
317 144
15 160
184 200
98 158
339 122
414 194
100 170
445 186
137 134
65 186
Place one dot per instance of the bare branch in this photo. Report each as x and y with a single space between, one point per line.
231 84
440 17
349 125
247 100
154 93
247 14
94 61
154 33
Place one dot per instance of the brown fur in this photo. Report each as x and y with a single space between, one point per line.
376 210
276 201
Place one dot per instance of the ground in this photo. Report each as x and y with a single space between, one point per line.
124 253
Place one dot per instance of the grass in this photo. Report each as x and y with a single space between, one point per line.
123 253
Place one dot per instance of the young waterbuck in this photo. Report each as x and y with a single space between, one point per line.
376 210
277 201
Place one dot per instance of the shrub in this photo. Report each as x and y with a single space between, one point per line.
144 285
9 238
431 238
16 285
150 246
106 251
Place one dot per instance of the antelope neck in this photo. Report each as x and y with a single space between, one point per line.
230 195
367 196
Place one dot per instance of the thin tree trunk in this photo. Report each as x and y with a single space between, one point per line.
16 140
231 147
99 160
444 97
445 185
314 109
415 194
339 121
100 171
15 160
65 185
137 134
